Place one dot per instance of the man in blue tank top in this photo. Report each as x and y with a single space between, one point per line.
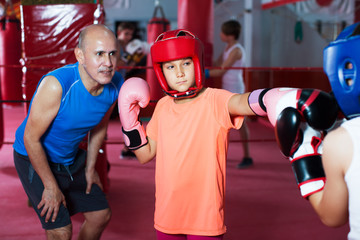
68 104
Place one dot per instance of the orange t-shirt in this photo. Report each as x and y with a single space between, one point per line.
192 141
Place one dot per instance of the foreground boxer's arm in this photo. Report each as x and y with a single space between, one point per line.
135 93
331 204
299 117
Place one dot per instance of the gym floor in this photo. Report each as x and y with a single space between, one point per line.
262 202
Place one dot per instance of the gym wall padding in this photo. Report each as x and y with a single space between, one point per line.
10 45
299 78
49 36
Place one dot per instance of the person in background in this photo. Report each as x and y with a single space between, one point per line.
232 79
70 103
125 33
132 52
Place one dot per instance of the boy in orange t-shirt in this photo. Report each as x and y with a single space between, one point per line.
188 134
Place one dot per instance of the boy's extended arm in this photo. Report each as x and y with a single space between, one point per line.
239 105
312 105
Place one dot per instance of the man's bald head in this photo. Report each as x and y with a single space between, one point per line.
97 53
93 31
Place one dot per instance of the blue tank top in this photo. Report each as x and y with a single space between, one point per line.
79 112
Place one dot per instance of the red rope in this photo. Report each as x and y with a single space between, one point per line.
122 142
313 69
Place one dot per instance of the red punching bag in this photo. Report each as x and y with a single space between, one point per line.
10 54
155 27
201 23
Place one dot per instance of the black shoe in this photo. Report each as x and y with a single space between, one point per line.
246 162
127 154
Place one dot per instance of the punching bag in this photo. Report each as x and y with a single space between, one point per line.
199 22
10 54
155 27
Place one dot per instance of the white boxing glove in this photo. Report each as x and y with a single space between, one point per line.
137 46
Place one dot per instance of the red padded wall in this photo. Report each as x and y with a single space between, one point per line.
10 54
49 36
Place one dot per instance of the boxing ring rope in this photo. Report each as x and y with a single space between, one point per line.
116 142
52 66
248 69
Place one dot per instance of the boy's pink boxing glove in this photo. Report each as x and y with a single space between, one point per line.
317 108
134 93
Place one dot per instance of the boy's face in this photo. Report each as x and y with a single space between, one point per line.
225 38
179 74
125 35
222 37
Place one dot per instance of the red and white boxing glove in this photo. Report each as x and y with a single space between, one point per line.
302 145
306 162
134 93
318 108
299 116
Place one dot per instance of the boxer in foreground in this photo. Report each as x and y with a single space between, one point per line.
188 134
327 168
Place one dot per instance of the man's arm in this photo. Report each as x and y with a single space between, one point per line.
44 109
95 140
331 204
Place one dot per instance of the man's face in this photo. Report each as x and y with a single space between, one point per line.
99 56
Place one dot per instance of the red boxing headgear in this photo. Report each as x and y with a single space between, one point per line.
174 45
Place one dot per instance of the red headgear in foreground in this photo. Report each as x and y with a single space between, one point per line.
174 45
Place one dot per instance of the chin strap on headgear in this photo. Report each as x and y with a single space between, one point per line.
341 63
175 45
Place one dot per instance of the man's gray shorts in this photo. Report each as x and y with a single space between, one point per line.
72 182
